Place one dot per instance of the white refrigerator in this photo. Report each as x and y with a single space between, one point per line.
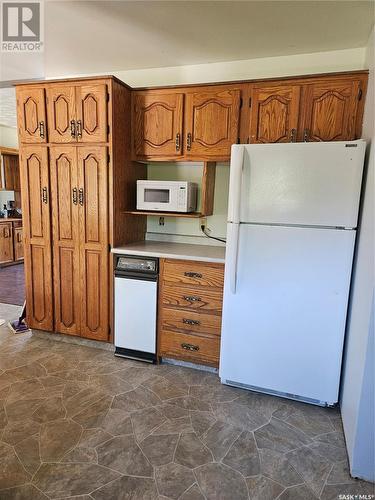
292 218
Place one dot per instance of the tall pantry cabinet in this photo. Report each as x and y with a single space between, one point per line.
73 142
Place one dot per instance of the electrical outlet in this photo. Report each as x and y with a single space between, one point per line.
161 221
203 222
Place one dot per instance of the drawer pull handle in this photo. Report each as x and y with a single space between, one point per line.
192 275
191 298
190 321
190 347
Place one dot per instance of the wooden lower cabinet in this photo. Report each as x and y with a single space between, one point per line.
34 169
79 188
189 313
6 243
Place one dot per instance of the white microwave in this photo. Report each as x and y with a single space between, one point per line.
167 196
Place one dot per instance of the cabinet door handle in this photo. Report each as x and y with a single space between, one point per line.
191 274
41 130
178 145
73 128
293 134
188 142
19 237
6 232
81 196
44 196
79 129
75 196
190 321
191 298
190 347
306 134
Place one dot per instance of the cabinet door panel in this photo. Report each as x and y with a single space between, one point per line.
274 114
11 172
31 115
61 113
93 220
18 243
157 125
64 191
330 111
37 236
92 121
6 242
212 123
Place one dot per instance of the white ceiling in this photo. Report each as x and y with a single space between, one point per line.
98 36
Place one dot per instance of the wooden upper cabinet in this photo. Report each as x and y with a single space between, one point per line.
11 172
37 236
61 110
31 115
329 110
274 113
93 229
6 242
92 122
157 124
211 122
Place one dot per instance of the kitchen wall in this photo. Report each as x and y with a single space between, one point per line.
9 139
188 230
357 390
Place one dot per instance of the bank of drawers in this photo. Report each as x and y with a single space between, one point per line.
190 307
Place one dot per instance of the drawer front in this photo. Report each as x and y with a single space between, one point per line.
193 299
189 272
17 223
192 348
189 321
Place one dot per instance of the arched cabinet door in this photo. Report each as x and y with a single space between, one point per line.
92 120
274 114
211 122
329 110
65 210
157 125
93 246
37 236
31 115
61 108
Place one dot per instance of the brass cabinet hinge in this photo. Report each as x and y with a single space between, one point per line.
241 102
360 94
249 102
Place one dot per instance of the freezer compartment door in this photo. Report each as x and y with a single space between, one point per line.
312 184
284 321
135 314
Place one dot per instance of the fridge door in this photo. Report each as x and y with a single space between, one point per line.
284 321
312 184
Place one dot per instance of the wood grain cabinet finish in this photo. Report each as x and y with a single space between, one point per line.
64 194
189 313
18 243
329 110
31 115
6 243
93 229
274 113
77 113
61 111
35 193
211 122
80 240
157 124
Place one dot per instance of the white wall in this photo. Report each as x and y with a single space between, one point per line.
357 390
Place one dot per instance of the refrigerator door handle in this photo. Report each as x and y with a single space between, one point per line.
233 256
235 183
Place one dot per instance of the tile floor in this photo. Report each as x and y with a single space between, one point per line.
77 422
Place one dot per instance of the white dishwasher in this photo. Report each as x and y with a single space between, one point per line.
136 291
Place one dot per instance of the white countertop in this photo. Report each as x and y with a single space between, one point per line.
169 250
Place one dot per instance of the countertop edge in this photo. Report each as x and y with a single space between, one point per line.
166 255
